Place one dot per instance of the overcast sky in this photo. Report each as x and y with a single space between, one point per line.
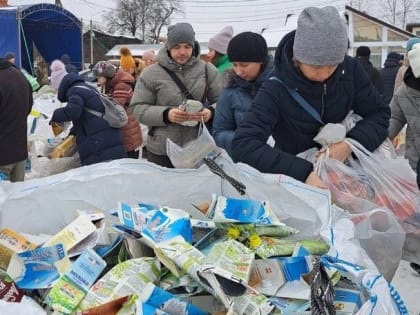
210 16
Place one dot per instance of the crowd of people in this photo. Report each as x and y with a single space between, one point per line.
245 98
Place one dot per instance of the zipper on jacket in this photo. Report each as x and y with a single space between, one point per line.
324 93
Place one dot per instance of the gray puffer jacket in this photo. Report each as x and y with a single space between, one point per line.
155 92
405 109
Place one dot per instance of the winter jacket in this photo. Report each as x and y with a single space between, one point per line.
399 79
405 109
156 92
15 105
122 85
274 112
388 74
96 140
234 101
223 64
373 74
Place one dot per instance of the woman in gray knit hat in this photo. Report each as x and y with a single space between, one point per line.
218 45
311 62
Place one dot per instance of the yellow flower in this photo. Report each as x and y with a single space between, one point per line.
254 241
233 232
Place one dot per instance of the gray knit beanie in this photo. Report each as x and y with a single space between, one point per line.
180 33
321 37
220 41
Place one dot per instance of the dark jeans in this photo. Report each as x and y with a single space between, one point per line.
161 160
133 154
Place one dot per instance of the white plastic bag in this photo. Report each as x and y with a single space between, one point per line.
192 154
383 298
382 238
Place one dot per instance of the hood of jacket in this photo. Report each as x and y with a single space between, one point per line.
5 64
285 68
390 63
411 80
163 58
124 77
68 81
232 80
365 61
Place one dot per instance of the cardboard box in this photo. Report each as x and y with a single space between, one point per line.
347 301
12 243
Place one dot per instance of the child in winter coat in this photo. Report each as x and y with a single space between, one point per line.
119 85
96 140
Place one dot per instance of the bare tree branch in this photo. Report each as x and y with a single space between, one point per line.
141 17
361 5
160 17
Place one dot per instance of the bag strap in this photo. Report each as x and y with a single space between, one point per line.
300 100
206 89
92 111
178 82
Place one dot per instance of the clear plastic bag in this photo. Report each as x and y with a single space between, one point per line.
192 154
393 183
349 186
382 238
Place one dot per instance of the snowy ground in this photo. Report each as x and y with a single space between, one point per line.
407 282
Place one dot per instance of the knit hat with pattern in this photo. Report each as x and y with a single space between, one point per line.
104 69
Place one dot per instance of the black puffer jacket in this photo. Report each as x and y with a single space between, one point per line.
388 74
274 112
373 73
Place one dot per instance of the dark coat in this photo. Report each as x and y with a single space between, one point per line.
96 140
233 102
388 74
274 112
373 73
15 105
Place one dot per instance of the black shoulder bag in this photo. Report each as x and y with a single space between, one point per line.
184 90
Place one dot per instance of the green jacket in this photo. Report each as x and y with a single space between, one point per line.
156 91
223 64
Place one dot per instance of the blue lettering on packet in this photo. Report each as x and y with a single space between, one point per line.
245 211
162 227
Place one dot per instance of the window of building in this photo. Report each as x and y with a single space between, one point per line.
395 37
365 30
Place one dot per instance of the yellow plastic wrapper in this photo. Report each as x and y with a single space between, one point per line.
64 149
57 128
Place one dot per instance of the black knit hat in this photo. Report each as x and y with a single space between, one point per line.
247 47
363 51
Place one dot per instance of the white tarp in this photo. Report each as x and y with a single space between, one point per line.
47 204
